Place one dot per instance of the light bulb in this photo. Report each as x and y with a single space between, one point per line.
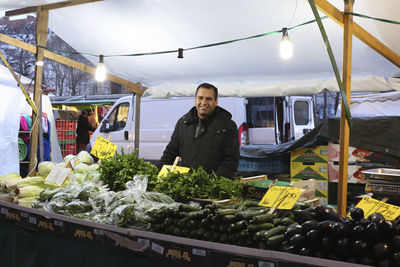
286 46
101 70
39 63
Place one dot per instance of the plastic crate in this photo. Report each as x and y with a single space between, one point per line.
66 133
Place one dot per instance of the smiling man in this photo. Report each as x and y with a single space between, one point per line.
205 136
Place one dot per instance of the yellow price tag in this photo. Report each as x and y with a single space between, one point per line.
370 205
103 149
168 168
280 197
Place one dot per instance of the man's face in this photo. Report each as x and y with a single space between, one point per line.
205 102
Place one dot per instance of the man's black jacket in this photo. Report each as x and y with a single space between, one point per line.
215 149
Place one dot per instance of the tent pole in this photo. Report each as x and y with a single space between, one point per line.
344 126
42 23
137 123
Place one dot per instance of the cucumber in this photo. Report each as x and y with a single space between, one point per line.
275 241
263 218
259 227
278 230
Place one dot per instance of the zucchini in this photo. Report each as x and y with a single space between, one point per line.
193 233
261 245
216 236
263 218
241 225
278 230
195 214
244 233
259 235
247 215
223 238
208 236
287 221
250 203
276 221
228 218
205 223
223 212
188 208
191 224
231 228
259 227
181 222
201 232
223 228
185 232
216 219
177 231
275 241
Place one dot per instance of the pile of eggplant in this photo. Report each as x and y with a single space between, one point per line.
322 233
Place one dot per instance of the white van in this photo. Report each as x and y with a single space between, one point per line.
157 122
261 120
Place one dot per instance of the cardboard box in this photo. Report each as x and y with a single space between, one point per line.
354 174
318 154
320 189
304 171
359 155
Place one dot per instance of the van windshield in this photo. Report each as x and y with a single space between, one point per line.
301 112
260 112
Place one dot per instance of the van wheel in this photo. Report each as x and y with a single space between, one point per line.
88 149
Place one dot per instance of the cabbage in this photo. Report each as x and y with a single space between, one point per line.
68 158
26 201
28 191
81 168
9 180
61 164
84 156
34 180
50 184
45 167
93 167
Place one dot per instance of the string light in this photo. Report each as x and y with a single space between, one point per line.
180 52
101 70
286 45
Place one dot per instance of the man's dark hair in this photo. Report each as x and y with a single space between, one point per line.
208 86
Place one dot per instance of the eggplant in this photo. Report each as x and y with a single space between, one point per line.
363 222
396 243
314 237
327 244
292 230
396 258
387 228
291 249
298 240
342 247
309 225
360 247
301 216
372 232
305 251
376 218
357 214
325 227
382 250
358 231
338 230
324 213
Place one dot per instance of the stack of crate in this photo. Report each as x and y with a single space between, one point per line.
311 163
66 133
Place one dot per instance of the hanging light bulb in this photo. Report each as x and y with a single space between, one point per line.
286 45
101 70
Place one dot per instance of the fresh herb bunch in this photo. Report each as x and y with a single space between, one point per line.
198 184
121 168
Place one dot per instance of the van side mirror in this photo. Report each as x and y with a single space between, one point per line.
105 126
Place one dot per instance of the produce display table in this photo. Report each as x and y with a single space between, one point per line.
31 237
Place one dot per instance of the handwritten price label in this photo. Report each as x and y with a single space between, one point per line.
370 205
103 149
280 197
168 168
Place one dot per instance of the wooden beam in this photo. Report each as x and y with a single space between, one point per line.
134 87
33 9
359 32
42 24
344 125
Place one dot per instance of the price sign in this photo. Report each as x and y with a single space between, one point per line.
103 149
370 205
169 168
280 197
58 175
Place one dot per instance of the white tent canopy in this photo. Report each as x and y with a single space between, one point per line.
246 68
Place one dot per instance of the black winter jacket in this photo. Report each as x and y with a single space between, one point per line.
215 149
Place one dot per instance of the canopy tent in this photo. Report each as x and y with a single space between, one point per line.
250 67
12 98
